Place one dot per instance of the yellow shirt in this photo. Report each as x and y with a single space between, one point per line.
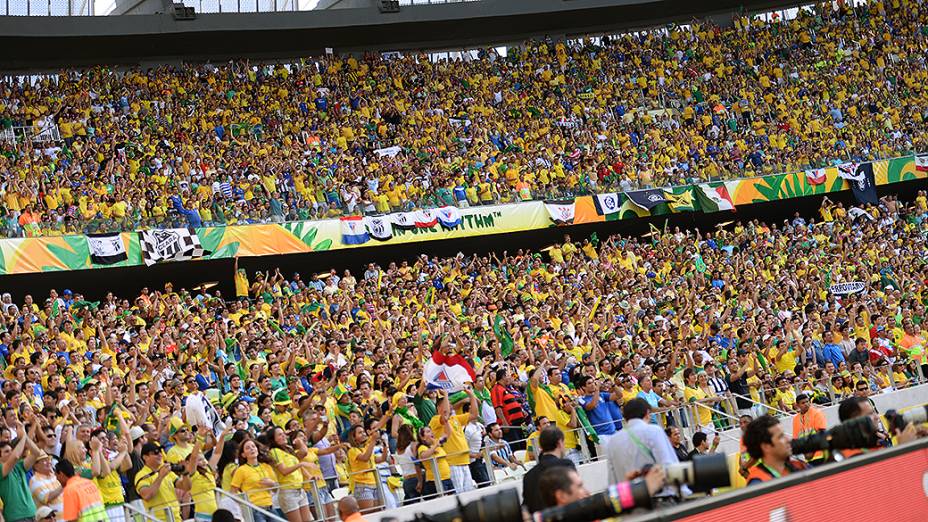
248 478
696 394
444 469
203 491
362 470
177 454
295 478
456 444
312 457
165 495
110 488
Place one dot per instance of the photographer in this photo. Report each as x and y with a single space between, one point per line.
856 407
766 440
638 445
551 442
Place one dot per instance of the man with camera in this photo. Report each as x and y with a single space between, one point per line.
640 444
765 440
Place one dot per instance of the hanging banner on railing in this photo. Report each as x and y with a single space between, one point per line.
61 253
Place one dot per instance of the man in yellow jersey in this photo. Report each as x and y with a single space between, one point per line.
451 427
156 484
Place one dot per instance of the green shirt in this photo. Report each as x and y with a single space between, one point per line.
425 408
17 499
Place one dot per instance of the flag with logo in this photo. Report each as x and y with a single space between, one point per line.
449 216
860 180
404 219
379 227
680 199
106 249
561 212
815 176
646 199
608 204
921 163
169 244
713 197
354 232
447 372
426 218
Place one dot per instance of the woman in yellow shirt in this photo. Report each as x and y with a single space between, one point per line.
292 499
255 477
361 467
432 457
695 395
202 475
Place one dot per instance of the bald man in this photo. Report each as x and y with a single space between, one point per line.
348 510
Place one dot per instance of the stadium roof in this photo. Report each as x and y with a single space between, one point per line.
34 43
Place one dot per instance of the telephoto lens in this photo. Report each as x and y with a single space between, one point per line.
898 421
618 498
503 506
703 473
853 434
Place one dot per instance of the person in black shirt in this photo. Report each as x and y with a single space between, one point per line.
551 442
737 380
676 441
701 445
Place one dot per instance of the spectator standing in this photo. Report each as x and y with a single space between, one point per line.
638 445
46 490
14 488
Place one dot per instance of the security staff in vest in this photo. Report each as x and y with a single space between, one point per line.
766 441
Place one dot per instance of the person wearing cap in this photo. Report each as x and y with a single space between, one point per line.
156 484
81 500
182 437
46 490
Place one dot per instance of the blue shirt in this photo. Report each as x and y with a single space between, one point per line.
653 400
601 416
832 352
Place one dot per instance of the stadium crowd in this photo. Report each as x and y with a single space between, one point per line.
242 143
317 383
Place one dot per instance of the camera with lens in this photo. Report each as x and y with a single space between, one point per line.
898 421
853 434
703 473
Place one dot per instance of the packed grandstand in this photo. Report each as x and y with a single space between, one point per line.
301 389
328 136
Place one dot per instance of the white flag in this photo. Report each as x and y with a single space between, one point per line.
379 227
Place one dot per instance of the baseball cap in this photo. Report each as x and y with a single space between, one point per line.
149 448
44 512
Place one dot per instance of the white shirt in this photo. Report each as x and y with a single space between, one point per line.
652 447
473 432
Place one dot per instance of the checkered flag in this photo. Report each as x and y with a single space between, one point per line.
170 244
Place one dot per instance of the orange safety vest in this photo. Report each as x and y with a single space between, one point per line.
762 473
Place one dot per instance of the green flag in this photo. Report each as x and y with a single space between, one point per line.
502 335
